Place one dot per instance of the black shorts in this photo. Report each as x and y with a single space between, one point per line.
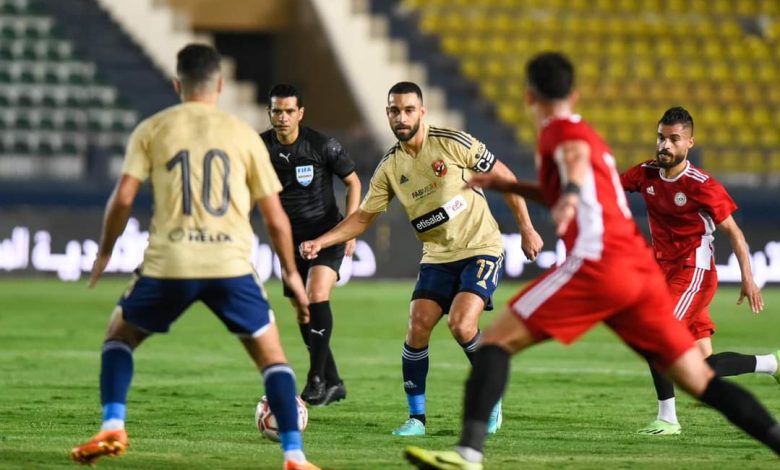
330 257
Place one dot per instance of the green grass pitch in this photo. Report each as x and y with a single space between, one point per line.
192 401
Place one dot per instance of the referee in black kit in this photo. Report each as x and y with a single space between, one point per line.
305 161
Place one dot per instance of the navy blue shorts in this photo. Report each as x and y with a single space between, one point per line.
441 282
240 302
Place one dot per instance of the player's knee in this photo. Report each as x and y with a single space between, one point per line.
462 331
419 333
319 295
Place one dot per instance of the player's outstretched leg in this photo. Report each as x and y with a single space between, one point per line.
665 423
726 364
731 400
116 373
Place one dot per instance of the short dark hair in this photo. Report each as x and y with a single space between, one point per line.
402 88
196 65
550 75
283 90
677 115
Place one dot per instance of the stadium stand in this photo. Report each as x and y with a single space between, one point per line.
636 58
56 110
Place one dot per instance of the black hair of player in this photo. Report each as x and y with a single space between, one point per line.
550 76
283 90
196 64
402 88
677 115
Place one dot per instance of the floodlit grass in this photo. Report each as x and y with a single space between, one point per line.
193 395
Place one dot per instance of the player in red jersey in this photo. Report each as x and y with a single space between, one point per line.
685 206
578 180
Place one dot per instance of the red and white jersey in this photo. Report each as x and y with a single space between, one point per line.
683 211
603 223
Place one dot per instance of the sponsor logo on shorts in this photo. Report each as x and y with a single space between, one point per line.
198 235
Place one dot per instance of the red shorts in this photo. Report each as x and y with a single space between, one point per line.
631 297
692 290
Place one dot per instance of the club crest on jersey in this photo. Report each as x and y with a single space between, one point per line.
439 168
651 190
680 199
304 174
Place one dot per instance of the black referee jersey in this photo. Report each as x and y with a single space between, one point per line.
305 169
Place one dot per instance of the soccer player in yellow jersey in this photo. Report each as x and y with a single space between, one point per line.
207 170
462 258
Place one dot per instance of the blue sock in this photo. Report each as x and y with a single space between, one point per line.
116 373
471 346
414 363
280 389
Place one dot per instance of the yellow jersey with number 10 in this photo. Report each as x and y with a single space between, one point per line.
207 169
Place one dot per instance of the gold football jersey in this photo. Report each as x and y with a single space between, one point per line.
452 221
207 169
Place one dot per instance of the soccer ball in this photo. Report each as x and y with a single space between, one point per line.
266 421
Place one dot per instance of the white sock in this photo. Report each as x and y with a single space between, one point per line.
469 454
766 364
295 455
667 411
112 425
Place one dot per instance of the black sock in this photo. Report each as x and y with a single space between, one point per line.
470 347
730 363
420 418
321 324
744 410
331 372
664 388
304 328
486 382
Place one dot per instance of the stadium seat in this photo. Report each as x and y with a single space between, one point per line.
701 54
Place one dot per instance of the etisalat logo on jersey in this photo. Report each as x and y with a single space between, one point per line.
440 215
198 235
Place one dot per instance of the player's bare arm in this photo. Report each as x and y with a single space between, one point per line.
280 233
352 182
114 221
531 241
529 190
740 247
573 160
349 228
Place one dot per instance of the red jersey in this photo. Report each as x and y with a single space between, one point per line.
682 211
603 222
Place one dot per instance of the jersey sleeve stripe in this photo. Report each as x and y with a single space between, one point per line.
386 157
458 137
697 175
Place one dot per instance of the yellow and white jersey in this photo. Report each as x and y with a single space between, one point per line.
452 221
207 169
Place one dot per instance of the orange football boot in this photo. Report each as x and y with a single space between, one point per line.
112 443
290 465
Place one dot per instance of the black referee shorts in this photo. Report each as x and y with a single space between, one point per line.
330 257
